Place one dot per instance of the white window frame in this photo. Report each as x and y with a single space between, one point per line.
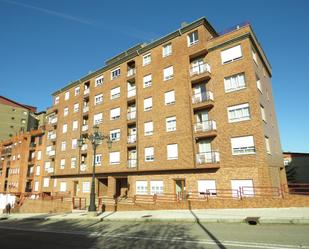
74 143
86 187
231 54
115 73
99 81
141 187
236 113
73 162
98 118
115 113
38 170
194 36
67 95
147 81
114 135
167 50
98 99
146 59
114 157
169 97
45 182
62 163
267 145
63 145
66 111
64 128
156 187
115 93
149 154
76 107
207 187
171 124
148 128
77 91
57 98
172 151
148 104
238 81
98 159
168 73
75 125
247 146
63 187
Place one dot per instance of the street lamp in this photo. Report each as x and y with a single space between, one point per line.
96 138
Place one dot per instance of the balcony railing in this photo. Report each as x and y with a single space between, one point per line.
202 97
209 125
200 69
85 127
83 167
52 153
85 109
54 120
131 115
86 91
6 151
131 72
52 136
131 139
132 163
84 147
208 157
50 170
132 93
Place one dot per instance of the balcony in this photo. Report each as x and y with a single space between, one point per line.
83 167
86 91
212 158
85 128
51 153
30 174
203 100
132 139
131 115
50 170
7 151
53 136
200 72
205 129
85 109
131 72
84 147
132 163
131 93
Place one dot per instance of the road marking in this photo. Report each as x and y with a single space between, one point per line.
177 239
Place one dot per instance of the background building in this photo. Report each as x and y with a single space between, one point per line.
16 117
296 166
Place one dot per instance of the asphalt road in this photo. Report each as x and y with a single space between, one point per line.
93 234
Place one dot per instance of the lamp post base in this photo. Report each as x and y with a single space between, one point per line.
92 213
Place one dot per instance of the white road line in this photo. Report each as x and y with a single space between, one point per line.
177 240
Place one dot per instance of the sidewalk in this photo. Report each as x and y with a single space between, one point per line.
265 215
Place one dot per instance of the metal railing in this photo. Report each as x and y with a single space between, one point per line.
54 120
200 69
131 115
131 93
131 72
208 157
53 136
132 163
85 127
52 153
85 109
86 91
131 139
209 125
202 97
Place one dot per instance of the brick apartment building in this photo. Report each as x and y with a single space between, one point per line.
190 111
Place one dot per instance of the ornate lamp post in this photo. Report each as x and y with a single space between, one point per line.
96 138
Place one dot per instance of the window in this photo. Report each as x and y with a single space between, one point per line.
115 73
149 154
115 93
98 99
231 54
56 100
245 186
258 84
267 145
63 145
156 187
192 38
64 128
77 91
114 135
170 124
36 186
148 104
75 125
86 187
39 156
37 170
98 118
114 157
286 161
65 111
141 187
146 59
73 162
168 73
46 182
235 82
74 143
169 97
238 113
147 80
62 163
99 81
206 187
167 50
115 113
242 145
67 96
254 56
148 128
172 151
76 107
263 113
98 159
63 186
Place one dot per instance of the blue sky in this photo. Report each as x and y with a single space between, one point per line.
44 45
